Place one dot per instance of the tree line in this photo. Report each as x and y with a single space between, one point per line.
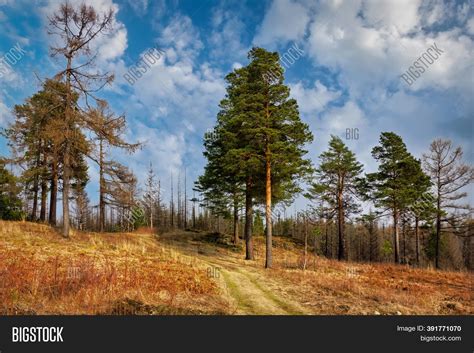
256 157
256 163
65 123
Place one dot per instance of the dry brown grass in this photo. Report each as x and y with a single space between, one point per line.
139 273
42 273
333 287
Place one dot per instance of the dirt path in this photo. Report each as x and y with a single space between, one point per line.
248 290
246 286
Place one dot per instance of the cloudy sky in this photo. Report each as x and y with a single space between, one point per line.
346 74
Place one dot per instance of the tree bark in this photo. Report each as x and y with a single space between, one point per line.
268 209
66 196
341 255
67 151
305 242
396 237
417 242
194 215
326 245
44 197
44 191
34 211
404 259
248 220
331 247
53 192
236 220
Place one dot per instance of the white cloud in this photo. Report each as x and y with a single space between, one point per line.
285 20
114 45
337 120
470 26
236 66
9 75
139 6
312 100
226 35
172 104
401 15
163 148
183 37
371 43
5 114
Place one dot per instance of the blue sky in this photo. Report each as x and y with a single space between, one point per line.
347 75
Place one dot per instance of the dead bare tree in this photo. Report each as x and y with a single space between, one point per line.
449 176
108 129
75 29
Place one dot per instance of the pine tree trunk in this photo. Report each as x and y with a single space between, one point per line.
326 245
315 249
44 190
341 255
34 211
396 237
67 151
66 195
248 220
53 192
417 242
44 197
268 210
305 243
331 248
404 259
236 220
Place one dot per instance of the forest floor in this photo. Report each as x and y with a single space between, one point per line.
187 272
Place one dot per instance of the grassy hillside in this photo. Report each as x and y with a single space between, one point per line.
200 273
42 273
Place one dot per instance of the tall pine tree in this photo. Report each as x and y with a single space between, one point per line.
262 138
398 182
338 184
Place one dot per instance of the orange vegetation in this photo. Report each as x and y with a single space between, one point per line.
141 273
42 273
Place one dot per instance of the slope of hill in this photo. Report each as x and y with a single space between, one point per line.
201 273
